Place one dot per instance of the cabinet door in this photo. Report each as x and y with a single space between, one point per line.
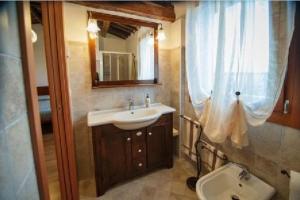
159 143
115 156
156 142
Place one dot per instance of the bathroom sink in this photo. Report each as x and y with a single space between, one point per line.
134 119
128 119
224 184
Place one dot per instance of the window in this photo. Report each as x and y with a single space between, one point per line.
241 48
146 58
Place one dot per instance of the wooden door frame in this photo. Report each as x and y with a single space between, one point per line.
52 14
28 67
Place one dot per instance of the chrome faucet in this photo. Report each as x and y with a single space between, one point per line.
131 104
245 173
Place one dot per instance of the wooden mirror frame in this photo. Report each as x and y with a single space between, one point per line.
92 52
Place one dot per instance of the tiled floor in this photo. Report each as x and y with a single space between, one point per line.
51 164
164 184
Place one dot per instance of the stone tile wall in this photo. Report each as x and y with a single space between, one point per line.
175 83
17 170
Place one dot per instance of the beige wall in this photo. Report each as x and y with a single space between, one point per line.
112 43
40 56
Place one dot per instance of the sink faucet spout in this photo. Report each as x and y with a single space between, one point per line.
131 104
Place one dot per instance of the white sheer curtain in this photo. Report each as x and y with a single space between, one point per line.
236 47
146 58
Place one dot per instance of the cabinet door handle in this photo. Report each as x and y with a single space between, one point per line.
140 164
149 133
139 133
140 150
128 139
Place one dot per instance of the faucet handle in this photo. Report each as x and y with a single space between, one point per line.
131 104
130 99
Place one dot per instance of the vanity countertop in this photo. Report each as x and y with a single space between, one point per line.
101 117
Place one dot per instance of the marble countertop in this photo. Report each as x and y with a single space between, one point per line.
102 117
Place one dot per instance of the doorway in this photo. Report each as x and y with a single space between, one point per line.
42 86
46 85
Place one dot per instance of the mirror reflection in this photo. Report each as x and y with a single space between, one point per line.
124 52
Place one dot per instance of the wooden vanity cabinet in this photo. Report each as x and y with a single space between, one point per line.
120 154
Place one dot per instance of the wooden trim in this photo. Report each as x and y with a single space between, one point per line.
292 84
58 89
156 66
70 146
42 90
50 62
122 20
144 9
92 52
28 65
127 85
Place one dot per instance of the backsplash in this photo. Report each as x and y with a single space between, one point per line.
85 99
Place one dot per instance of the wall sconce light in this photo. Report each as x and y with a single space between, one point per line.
161 33
92 27
33 36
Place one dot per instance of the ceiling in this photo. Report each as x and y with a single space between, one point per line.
160 10
36 13
119 30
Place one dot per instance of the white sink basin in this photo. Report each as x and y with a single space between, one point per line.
126 119
224 184
134 119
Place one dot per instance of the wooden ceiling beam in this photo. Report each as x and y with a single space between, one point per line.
144 9
117 33
127 34
105 27
122 20
127 27
117 26
36 15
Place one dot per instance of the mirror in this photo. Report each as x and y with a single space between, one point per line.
123 52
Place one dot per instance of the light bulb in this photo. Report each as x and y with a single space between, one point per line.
93 35
161 34
92 26
33 36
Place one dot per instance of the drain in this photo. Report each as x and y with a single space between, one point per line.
235 197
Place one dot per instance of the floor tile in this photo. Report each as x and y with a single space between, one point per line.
164 184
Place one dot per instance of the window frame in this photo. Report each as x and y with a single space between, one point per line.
291 87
